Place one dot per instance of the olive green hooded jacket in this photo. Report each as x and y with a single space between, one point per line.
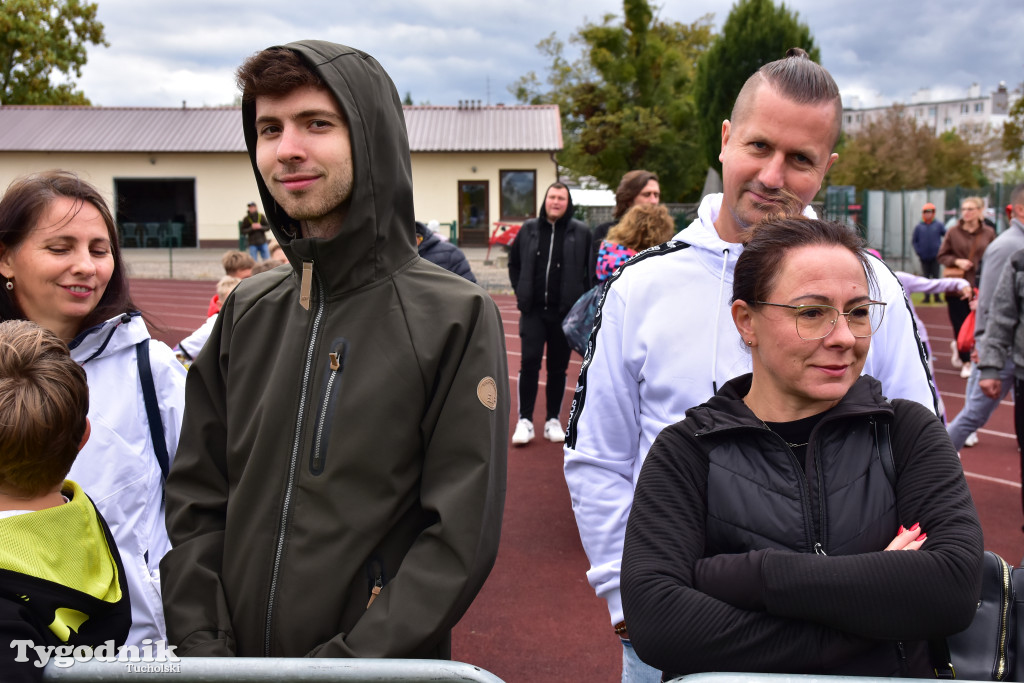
346 446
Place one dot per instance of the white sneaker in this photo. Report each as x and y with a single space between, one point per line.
965 371
957 363
553 431
971 440
523 433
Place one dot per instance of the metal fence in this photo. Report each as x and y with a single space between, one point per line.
887 219
270 670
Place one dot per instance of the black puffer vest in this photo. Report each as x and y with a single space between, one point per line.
760 496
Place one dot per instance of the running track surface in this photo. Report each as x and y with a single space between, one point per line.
536 618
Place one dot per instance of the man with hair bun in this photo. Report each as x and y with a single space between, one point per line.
664 339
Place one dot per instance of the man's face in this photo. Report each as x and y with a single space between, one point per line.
928 215
304 154
651 194
252 209
775 145
556 202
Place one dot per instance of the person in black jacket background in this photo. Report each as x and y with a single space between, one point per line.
550 267
444 254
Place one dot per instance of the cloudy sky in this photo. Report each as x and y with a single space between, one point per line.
443 51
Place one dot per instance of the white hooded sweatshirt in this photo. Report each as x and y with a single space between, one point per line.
664 342
118 468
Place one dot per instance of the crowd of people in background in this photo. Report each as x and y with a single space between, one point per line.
753 428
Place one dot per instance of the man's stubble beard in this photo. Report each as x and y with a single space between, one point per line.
320 217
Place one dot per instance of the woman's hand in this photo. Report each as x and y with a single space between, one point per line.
967 292
964 263
908 539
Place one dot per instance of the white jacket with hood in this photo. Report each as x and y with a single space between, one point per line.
664 342
118 468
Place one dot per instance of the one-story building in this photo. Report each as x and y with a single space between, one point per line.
182 176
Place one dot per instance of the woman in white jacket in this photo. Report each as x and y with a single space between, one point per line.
61 267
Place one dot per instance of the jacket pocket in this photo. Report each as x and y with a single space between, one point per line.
328 400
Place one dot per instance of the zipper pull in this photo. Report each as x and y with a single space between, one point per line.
375 591
306 284
335 362
819 550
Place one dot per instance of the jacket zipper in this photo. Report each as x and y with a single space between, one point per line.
375 574
339 350
547 268
307 271
1000 671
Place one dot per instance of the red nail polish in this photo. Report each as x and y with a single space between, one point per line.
922 537
916 525
901 530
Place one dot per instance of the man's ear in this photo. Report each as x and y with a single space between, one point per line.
85 435
726 129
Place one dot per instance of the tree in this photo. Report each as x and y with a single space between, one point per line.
625 102
41 39
756 32
1013 131
895 152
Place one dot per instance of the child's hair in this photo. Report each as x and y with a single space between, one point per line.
264 266
643 226
234 261
225 285
44 401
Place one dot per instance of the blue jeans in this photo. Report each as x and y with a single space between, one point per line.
634 670
255 250
978 407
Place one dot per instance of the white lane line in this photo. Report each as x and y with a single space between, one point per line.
994 480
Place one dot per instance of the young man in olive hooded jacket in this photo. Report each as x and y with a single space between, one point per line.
340 481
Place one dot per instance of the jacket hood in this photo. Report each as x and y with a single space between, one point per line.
377 235
570 210
107 338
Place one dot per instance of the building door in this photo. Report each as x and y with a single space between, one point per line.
156 212
474 221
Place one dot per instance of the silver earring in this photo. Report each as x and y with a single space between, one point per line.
10 285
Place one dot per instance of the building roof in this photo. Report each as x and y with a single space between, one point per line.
475 128
465 128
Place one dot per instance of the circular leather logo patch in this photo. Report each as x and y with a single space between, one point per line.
487 392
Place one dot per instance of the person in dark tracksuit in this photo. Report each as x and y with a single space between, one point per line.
550 267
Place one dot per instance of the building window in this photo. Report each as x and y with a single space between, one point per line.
932 111
965 108
920 112
979 107
849 118
948 122
518 195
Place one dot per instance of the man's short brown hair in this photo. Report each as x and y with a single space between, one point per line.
234 261
44 401
798 78
274 73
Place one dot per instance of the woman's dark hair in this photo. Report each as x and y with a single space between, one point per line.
21 209
630 186
758 267
274 72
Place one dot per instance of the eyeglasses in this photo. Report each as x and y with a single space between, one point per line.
817 321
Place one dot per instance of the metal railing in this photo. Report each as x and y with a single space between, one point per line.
267 670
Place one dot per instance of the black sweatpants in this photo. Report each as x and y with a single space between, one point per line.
535 330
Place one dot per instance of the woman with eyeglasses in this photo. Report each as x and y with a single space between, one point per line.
757 536
960 254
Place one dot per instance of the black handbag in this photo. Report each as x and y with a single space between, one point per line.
987 649
579 321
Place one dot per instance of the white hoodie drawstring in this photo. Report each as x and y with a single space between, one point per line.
718 318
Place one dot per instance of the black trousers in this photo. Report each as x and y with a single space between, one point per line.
958 310
537 329
930 268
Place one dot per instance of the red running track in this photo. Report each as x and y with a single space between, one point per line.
536 618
